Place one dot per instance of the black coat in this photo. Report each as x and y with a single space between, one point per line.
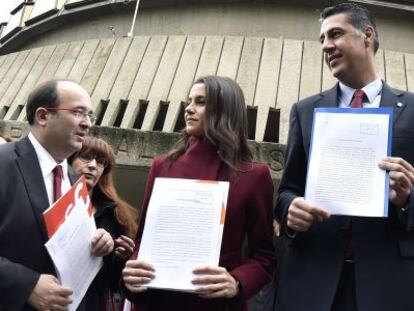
23 198
23 256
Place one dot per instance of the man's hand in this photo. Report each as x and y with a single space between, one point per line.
49 295
302 214
214 282
102 243
401 179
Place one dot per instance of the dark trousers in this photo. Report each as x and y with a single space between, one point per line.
345 297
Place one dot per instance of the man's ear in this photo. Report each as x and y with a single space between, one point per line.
369 37
41 116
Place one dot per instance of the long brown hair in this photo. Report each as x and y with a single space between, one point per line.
124 213
225 122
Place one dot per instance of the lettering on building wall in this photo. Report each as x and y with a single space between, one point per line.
16 132
276 160
123 149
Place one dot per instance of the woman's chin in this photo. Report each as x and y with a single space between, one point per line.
89 185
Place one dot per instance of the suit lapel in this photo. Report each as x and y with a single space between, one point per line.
73 177
328 99
391 98
32 176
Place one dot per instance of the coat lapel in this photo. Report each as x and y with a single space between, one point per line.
32 176
73 177
391 98
328 99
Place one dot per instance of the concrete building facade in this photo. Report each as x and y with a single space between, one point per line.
139 79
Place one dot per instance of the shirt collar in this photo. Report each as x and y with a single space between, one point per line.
371 90
46 161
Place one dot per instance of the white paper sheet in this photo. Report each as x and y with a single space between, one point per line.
183 229
343 173
70 249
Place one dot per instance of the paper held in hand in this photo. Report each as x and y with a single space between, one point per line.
346 147
183 229
70 226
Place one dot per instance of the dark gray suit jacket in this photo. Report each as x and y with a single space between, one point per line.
23 198
384 247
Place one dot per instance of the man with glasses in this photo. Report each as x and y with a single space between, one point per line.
34 174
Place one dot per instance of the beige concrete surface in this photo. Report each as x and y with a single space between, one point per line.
133 78
250 18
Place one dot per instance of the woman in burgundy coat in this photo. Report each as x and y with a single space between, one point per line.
214 147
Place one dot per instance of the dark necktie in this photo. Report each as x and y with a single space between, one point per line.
57 182
358 99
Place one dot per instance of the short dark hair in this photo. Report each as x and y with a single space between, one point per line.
358 16
44 95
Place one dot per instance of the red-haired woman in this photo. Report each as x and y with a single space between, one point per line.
96 162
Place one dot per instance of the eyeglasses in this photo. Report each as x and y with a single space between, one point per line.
87 158
80 114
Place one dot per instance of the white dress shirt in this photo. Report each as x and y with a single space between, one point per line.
372 91
47 164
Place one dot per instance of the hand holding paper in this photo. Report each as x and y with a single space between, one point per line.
302 214
49 293
183 229
401 179
214 282
70 226
343 173
137 274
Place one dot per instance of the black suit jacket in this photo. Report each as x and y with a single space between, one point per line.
23 198
384 247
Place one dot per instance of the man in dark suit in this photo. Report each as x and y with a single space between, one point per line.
341 262
59 113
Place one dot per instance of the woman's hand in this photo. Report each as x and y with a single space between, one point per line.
215 282
102 243
136 274
124 246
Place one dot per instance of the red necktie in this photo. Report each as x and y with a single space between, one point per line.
357 99
57 182
356 103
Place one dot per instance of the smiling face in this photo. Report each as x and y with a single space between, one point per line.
195 110
348 51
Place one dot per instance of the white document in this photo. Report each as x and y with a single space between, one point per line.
343 173
70 248
183 229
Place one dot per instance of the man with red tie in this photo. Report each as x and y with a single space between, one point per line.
34 174
340 262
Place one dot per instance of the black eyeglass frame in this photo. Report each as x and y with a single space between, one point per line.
87 158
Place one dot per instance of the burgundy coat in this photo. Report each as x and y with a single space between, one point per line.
249 214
